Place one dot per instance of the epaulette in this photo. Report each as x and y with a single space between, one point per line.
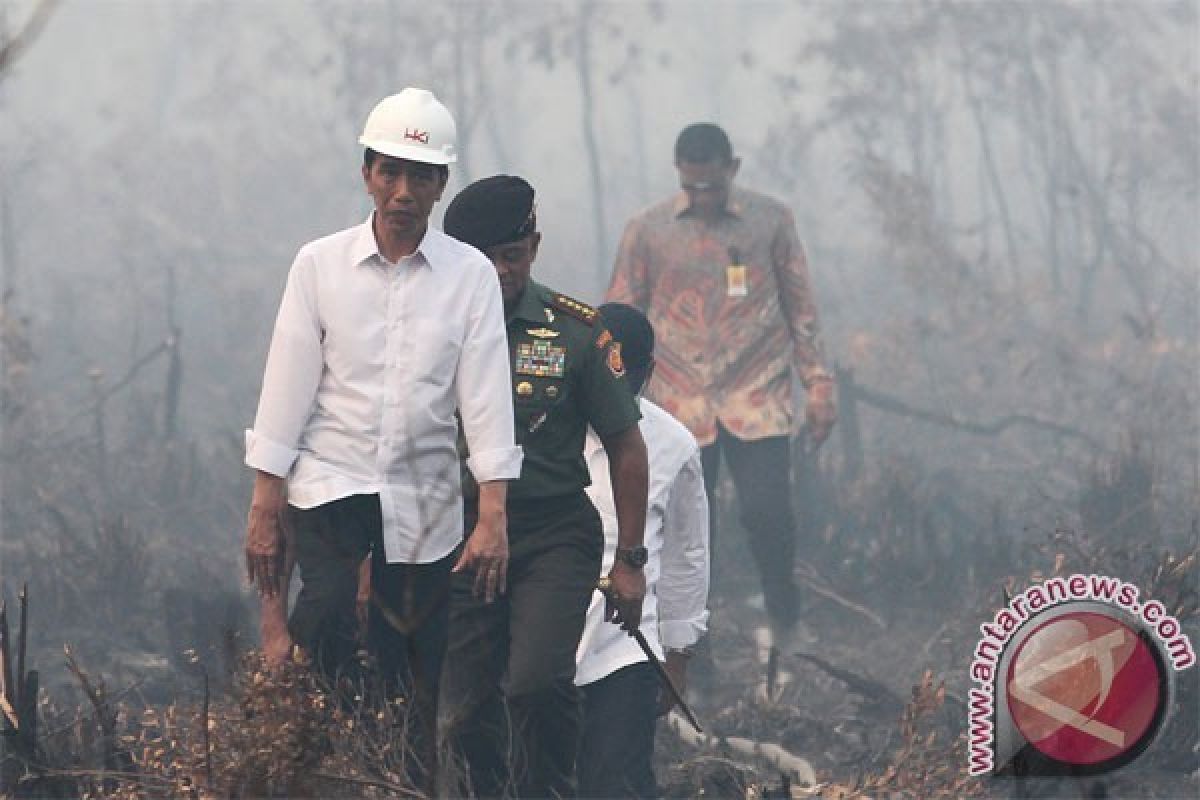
574 308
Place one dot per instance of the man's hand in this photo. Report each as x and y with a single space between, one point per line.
265 536
362 598
486 550
623 598
675 664
820 412
628 471
276 641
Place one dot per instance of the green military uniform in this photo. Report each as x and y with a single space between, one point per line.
511 663
512 710
567 374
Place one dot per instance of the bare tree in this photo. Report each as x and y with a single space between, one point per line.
13 46
963 125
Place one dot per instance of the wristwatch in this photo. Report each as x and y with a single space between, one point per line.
635 557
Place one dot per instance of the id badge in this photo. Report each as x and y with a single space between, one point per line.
735 281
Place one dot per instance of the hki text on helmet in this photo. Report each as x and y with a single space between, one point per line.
411 125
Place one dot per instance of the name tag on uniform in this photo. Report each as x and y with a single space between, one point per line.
540 358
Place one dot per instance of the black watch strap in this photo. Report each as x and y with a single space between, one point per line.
635 557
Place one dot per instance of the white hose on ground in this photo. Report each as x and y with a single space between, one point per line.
794 766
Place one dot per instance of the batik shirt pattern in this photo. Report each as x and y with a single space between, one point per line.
733 313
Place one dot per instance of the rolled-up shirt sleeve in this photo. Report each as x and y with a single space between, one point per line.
484 387
683 585
291 377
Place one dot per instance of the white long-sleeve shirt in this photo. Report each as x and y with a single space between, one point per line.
674 614
368 363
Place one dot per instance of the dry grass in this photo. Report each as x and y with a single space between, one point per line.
276 733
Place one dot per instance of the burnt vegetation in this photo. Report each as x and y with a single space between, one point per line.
1000 217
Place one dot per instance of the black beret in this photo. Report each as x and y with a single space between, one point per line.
631 328
491 211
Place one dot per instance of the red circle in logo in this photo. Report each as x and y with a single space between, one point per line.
1084 689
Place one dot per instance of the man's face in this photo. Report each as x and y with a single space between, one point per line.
404 193
513 262
706 184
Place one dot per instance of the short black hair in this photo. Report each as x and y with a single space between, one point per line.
633 331
703 143
370 155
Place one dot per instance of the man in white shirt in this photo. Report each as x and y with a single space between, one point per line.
385 330
622 695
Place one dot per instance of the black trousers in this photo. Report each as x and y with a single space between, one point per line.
762 475
511 709
616 750
331 542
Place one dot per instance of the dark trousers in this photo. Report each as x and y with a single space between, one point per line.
511 710
616 749
331 542
762 475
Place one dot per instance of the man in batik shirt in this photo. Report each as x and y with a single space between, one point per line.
720 272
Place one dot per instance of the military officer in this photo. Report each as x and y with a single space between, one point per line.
511 659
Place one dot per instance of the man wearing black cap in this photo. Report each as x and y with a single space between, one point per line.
622 696
517 654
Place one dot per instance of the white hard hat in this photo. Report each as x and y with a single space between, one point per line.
412 125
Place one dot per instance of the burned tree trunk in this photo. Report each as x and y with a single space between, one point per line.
18 701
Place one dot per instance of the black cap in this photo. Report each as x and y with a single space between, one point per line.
631 328
492 211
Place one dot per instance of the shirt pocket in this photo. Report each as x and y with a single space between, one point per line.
435 346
